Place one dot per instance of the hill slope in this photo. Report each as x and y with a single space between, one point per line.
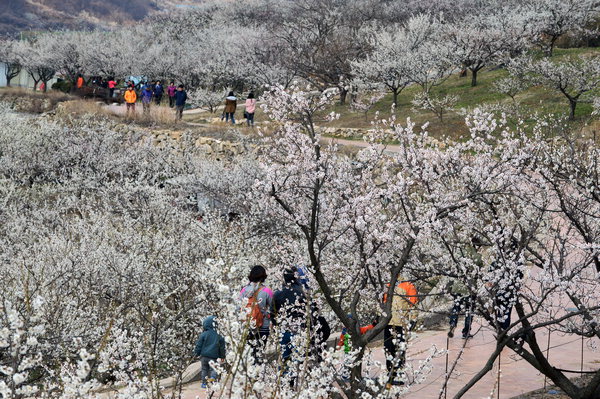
22 15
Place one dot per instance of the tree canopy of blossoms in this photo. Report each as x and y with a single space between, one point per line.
110 271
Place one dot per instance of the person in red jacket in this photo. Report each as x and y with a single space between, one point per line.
111 87
79 81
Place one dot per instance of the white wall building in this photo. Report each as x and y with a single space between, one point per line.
2 74
22 80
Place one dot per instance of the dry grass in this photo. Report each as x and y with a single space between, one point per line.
26 100
82 107
21 91
158 116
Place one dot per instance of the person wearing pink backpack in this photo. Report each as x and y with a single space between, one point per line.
250 108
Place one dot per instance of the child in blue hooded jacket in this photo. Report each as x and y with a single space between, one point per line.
209 347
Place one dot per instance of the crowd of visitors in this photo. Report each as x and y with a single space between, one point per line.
153 92
291 310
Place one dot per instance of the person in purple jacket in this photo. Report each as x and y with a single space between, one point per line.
147 98
171 89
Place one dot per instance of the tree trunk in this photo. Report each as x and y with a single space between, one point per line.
395 95
474 77
572 106
540 360
12 71
353 94
550 49
356 374
343 94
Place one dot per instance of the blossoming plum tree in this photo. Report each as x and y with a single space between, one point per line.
11 59
548 20
571 77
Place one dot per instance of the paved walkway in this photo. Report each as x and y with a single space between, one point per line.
516 375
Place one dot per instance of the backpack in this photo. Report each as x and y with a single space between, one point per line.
253 313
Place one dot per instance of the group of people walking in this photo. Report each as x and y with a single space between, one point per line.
178 97
154 93
292 311
289 308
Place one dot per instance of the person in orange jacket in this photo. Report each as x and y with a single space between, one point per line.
130 99
79 81
403 319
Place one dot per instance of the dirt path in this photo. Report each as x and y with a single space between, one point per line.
120 110
359 144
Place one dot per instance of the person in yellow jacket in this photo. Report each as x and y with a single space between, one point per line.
394 336
130 99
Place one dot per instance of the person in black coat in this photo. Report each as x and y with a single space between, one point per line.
180 99
505 285
289 311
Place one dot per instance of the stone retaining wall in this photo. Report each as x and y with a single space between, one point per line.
188 139
344 132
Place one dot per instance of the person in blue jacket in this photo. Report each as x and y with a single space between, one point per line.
180 99
209 347
158 92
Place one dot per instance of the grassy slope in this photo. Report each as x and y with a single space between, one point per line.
535 99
